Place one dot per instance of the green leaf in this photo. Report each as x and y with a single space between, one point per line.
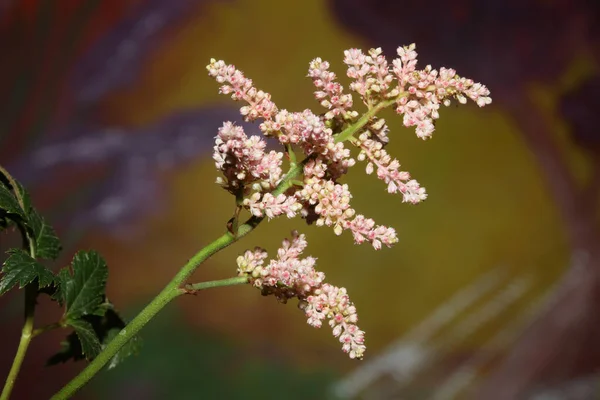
20 269
47 244
90 345
83 292
58 294
54 289
9 203
45 240
105 327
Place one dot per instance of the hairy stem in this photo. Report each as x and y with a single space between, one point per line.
362 121
26 336
349 132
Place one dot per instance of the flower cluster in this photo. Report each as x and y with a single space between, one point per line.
241 88
289 276
330 204
387 169
243 160
372 78
314 191
330 93
311 186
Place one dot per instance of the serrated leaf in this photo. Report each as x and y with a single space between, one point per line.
83 292
90 345
9 203
60 280
47 244
53 290
20 269
105 328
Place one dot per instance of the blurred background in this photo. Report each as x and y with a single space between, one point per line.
493 292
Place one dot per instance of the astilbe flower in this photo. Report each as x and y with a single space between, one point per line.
317 196
272 206
372 78
387 170
308 131
241 88
289 276
330 93
330 202
256 177
243 160
427 89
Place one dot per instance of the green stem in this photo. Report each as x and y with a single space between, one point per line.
364 120
26 336
238 280
31 292
291 154
170 292
47 328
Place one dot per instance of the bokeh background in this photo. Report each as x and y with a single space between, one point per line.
493 291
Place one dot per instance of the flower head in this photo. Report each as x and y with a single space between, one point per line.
330 93
318 196
243 160
241 88
424 91
289 276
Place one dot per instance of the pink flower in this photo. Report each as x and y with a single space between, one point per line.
427 89
388 170
358 69
364 229
272 206
371 74
330 202
243 161
241 88
416 94
308 131
419 93
254 175
289 276
334 304
406 64
331 93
